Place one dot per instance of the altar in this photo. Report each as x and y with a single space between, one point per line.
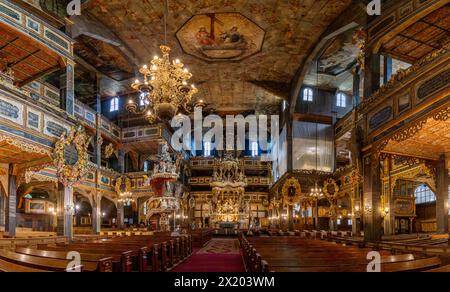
227 228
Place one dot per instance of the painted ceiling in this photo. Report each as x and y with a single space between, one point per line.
430 142
250 60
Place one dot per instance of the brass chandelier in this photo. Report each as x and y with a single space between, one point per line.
164 90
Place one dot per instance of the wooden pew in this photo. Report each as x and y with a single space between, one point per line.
55 265
7 267
443 269
287 254
138 254
100 259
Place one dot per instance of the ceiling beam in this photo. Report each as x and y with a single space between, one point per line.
41 74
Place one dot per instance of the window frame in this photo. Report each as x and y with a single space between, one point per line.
114 105
341 100
424 195
308 94
255 151
207 147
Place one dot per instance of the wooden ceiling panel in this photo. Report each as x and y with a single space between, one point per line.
431 142
437 15
415 29
420 51
427 34
28 58
291 30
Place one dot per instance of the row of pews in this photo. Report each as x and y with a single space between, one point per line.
156 253
200 237
295 254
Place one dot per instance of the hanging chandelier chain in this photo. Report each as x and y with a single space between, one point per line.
164 90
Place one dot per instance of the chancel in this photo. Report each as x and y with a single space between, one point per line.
224 136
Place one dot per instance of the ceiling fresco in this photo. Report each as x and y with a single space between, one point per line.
104 57
221 37
253 42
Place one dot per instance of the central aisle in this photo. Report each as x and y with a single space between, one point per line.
219 255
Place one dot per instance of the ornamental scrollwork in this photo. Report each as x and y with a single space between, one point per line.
409 132
70 156
109 150
360 39
123 185
443 115
23 146
291 192
330 188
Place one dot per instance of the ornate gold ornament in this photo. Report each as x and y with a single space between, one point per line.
330 188
360 39
70 156
109 150
291 192
99 140
30 175
123 189
24 146
442 115
122 185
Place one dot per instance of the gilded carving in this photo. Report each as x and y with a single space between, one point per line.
123 185
70 156
291 192
109 150
23 146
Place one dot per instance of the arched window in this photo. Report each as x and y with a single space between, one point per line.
424 195
207 149
255 149
308 94
146 166
114 105
341 100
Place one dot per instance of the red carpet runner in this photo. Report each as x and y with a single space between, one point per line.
219 255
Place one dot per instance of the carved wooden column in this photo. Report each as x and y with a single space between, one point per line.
11 204
65 211
372 195
2 208
442 195
372 74
96 212
99 123
67 90
356 86
121 161
120 216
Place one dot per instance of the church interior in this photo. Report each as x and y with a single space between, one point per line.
113 143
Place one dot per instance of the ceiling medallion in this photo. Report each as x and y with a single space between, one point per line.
221 37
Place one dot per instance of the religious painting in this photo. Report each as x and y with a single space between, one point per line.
404 207
221 37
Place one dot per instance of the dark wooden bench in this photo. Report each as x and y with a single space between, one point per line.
7 267
55 265
104 262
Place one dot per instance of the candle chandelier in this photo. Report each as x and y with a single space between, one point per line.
126 198
164 89
316 192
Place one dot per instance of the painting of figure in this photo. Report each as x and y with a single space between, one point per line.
224 36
